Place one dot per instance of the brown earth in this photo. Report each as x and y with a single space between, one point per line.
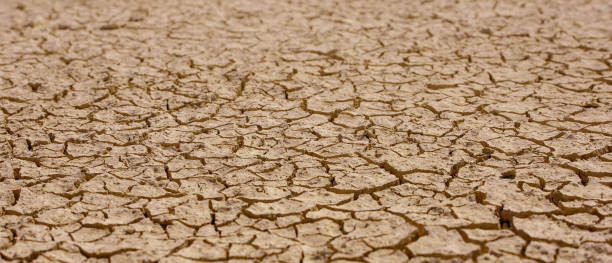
305 131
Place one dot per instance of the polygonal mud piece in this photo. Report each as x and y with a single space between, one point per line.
427 180
493 257
282 207
439 241
591 252
326 213
111 217
421 259
542 227
89 234
500 192
389 229
580 219
318 233
245 251
59 216
477 214
256 193
541 251
593 167
323 197
348 248
199 250
178 230
592 191
487 234
64 256
511 245
363 180
386 256
193 213
30 201
316 254
25 249
363 202
271 241
574 145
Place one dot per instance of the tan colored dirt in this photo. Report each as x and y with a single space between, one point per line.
305 131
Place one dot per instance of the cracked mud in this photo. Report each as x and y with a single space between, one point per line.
305 131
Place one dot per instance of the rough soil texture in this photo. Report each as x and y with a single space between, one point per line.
305 131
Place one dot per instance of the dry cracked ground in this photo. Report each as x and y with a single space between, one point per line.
305 131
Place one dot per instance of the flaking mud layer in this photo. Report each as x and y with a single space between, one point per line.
305 131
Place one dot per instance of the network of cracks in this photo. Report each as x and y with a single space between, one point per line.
305 131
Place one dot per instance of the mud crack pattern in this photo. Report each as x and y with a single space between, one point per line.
305 131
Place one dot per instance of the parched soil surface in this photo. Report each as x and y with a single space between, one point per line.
305 131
